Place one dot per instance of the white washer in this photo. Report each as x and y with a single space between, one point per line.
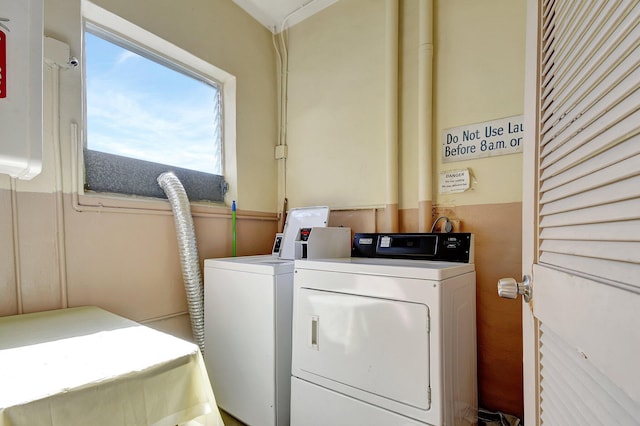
248 308
248 302
383 342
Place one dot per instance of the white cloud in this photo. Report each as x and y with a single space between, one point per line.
147 127
125 56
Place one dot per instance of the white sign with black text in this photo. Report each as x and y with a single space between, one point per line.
454 181
487 139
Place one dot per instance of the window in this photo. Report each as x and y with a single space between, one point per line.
150 107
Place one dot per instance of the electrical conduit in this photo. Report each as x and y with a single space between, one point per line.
391 114
425 113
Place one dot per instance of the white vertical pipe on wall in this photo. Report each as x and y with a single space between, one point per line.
425 113
60 227
16 245
280 97
57 58
391 113
282 57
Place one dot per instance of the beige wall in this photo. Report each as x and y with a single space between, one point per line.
408 101
336 111
125 257
336 121
336 137
479 76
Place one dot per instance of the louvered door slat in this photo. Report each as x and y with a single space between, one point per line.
548 7
580 40
549 53
562 16
617 273
558 68
620 211
606 231
587 60
614 250
569 18
577 398
603 34
614 78
619 171
562 402
589 80
624 75
594 140
576 26
548 50
616 154
605 37
569 376
607 194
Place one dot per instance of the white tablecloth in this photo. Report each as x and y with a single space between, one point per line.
86 366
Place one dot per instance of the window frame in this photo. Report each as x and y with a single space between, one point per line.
198 185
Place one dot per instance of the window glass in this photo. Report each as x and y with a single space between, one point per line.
146 108
142 109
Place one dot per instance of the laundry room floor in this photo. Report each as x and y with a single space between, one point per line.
229 420
499 420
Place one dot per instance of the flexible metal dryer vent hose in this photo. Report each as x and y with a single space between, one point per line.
188 249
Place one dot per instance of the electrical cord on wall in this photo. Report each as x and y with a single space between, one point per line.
448 227
280 46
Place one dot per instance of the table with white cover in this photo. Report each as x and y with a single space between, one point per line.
87 366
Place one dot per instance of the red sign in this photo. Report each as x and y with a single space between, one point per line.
3 65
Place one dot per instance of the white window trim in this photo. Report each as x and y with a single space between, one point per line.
162 48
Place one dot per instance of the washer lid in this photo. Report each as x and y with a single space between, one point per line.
419 269
262 264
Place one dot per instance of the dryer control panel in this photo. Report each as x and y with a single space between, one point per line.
453 247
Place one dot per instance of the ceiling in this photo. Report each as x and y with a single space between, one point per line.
273 13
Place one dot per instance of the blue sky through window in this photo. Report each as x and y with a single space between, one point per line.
141 109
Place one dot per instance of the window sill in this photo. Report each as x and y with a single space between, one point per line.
114 203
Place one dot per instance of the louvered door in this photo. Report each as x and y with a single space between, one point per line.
581 227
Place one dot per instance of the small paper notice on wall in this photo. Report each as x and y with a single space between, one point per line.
454 181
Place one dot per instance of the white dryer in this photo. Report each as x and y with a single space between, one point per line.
386 341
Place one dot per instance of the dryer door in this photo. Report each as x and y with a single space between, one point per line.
360 343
